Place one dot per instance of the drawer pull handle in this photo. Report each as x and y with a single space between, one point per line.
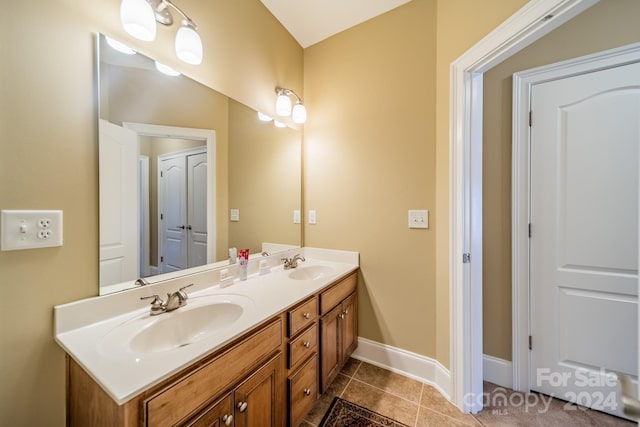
227 419
242 406
306 315
306 344
307 391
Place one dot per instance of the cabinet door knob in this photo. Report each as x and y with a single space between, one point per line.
342 315
307 391
227 419
346 312
306 315
242 406
306 344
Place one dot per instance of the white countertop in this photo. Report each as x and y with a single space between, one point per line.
85 329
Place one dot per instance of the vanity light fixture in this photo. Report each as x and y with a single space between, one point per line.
279 124
284 108
139 19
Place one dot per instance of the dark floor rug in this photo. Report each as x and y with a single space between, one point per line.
343 413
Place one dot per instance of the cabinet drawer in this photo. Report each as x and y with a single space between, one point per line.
303 390
302 316
304 345
199 387
334 295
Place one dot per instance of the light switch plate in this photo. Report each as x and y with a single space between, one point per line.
296 216
418 219
312 217
234 215
23 229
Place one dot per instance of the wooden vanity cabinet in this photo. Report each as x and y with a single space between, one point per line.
269 377
338 328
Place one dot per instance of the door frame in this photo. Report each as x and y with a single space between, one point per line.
523 83
534 20
208 135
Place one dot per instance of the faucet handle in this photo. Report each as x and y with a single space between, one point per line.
157 305
182 295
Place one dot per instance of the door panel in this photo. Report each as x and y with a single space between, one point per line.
584 245
197 209
174 214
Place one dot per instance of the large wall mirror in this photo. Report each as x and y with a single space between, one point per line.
177 158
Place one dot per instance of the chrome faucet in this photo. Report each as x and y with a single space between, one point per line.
290 263
174 301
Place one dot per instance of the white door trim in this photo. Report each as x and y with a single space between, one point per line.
199 134
465 183
523 83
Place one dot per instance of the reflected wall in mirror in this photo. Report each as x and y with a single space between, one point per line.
175 157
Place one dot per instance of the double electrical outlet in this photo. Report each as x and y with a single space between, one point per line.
22 229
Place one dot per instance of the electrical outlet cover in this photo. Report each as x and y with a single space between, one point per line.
23 229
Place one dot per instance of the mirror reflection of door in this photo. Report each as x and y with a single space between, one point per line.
177 204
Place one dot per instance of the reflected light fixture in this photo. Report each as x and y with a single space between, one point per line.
119 46
165 69
279 124
139 19
264 117
284 108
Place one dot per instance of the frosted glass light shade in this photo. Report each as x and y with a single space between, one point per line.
189 45
279 124
299 114
283 105
138 19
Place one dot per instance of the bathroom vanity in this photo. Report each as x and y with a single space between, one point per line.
276 343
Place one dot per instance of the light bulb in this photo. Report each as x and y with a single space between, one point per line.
283 105
188 44
165 69
119 46
299 114
138 19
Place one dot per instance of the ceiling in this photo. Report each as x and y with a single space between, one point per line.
311 21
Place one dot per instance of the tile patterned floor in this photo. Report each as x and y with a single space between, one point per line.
416 404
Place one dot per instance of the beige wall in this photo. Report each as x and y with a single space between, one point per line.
369 156
608 24
376 145
48 158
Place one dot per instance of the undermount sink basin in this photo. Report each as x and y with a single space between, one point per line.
201 318
311 272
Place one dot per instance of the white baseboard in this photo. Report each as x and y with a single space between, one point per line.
497 371
412 365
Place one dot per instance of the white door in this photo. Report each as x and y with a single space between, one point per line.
197 209
173 214
584 241
118 169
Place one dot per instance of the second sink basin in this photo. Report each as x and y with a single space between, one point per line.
311 272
